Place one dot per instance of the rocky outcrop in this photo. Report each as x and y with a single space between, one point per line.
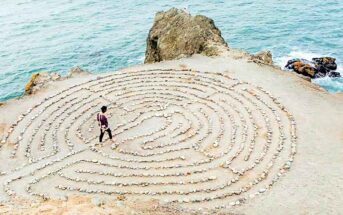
31 84
263 57
42 79
77 71
301 66
318 67
175 34
39 80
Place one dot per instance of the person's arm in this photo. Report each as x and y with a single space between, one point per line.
98 119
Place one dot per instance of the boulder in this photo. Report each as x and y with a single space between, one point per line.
318 67
301 67
263 57
31 83
326 66
38 80
77 71
175 34
327 62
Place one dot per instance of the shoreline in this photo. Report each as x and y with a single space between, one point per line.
234 52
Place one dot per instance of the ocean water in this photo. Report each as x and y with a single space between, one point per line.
107 35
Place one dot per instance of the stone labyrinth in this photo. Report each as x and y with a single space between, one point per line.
198 139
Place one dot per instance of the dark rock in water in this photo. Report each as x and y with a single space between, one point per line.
327 62
301 66
317 68
175 34
333 74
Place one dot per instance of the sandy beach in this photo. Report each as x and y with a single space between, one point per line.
200 133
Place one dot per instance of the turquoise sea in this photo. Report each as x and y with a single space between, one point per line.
106 35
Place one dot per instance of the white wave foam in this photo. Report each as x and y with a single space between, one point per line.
330 84
282 61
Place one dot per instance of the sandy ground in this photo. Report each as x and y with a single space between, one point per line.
85 205
75 165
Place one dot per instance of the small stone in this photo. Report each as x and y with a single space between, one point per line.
262 190
121 197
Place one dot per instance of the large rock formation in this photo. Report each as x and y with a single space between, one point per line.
175 34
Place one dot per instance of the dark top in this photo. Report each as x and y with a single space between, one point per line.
102 119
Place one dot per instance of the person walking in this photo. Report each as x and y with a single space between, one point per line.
103 124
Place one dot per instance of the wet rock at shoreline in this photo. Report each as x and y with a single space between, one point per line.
30 84
38 80
327 62
176 34
318 67
263 57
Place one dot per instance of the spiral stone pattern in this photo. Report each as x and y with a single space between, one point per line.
198 139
